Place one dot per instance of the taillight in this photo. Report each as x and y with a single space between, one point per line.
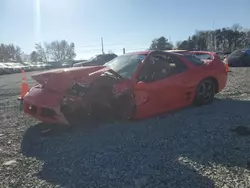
226 67
225 60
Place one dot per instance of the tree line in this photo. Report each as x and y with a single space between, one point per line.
223 40
59 51
10 52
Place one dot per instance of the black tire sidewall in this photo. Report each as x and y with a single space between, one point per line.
199 101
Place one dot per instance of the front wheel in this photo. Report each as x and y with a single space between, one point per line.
205 93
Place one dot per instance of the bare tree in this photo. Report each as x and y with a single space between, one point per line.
17 54
61 51
41 53
10 52
34 56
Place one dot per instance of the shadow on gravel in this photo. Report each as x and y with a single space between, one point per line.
164 152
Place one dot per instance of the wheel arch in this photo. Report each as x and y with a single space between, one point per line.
215 81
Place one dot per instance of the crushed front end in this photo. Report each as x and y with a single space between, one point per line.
108 97
43 104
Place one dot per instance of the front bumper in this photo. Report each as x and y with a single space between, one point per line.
44 105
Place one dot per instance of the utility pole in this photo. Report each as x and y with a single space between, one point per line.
123 50
102 46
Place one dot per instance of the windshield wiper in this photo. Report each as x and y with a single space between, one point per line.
118 76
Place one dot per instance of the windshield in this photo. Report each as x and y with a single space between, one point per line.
126 65
92 58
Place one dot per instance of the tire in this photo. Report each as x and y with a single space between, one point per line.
205 93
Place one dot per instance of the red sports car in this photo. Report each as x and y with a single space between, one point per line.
131 86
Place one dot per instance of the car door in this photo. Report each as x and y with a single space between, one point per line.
164 91
173 93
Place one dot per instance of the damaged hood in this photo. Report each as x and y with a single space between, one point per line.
61 79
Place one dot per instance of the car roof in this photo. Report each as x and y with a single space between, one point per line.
147 52
175 51
105 54
140 52
238 52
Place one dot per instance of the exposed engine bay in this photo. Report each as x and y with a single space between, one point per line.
106 98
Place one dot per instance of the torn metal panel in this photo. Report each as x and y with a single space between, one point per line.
107 97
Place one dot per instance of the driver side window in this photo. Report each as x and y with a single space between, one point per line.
160 66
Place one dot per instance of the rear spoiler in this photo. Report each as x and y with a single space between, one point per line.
213 54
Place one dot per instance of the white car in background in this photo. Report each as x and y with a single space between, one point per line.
36 66
27 66
1 70
46 66
66 65
33 66
6 69
22 67
42 66
39 66
17 68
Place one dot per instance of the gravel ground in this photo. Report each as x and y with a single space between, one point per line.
192 148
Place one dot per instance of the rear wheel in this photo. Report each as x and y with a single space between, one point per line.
205 93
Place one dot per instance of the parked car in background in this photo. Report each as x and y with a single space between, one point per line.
77 61
239 58
40 66
47 66
223 55
14 68
77 64
22 66
33 66
6 69
27 66
100 59
66 65
1 70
